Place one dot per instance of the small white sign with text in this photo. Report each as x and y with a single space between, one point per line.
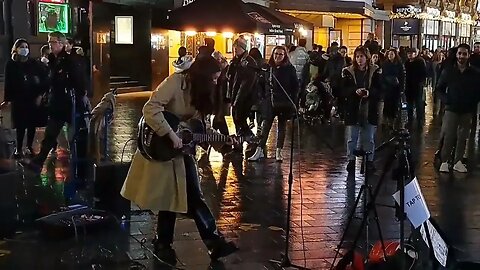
415 205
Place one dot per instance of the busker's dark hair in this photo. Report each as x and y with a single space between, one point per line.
202 86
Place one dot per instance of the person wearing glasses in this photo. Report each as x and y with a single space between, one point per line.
66 77
282 90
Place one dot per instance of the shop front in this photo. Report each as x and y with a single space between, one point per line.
465 28
224 21
346 22
431 29
405 32
439 28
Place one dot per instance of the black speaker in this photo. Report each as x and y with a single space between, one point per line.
79 220
108 179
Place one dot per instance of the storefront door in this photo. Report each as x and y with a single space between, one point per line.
405 41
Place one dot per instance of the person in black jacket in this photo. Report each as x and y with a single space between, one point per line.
416 74
25 83
279 103
458 89
259 88
371 44
393 78
475 57
333 75
362 90
242 78
221 107
67 80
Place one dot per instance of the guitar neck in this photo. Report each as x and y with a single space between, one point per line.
215 137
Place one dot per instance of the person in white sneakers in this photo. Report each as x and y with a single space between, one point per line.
458 90
282 90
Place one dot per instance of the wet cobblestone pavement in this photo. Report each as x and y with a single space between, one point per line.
249 202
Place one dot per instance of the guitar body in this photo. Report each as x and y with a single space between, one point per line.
160 148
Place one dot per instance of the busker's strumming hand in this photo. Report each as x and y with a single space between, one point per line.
233 140
177 142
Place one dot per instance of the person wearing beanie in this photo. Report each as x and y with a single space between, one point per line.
183 63
242 80
173 187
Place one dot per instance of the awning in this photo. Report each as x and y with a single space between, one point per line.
278 22
339 9
230 16
211 15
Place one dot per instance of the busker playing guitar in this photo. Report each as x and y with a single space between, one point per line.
172 187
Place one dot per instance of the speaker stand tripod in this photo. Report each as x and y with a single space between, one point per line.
369 206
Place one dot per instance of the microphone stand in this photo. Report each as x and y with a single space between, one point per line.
285 259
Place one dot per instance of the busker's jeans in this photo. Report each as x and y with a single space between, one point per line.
455 128
367 140
197 209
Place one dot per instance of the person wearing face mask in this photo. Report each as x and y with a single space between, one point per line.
173 186
67 79
42 115
44 53
24 86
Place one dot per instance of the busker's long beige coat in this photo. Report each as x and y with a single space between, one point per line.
161 186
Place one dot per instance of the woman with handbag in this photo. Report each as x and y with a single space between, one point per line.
362 90
393 73
283 88
24 87
173 186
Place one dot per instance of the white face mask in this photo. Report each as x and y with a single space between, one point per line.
23 51
44 60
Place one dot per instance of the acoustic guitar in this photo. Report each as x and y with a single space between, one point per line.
160 148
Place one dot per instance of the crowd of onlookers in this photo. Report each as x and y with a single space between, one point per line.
331 85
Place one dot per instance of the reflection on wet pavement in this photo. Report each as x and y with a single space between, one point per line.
249 202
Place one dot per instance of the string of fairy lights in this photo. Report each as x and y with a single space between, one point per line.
433 14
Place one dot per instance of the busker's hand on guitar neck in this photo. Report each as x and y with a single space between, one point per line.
233 141
177 142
